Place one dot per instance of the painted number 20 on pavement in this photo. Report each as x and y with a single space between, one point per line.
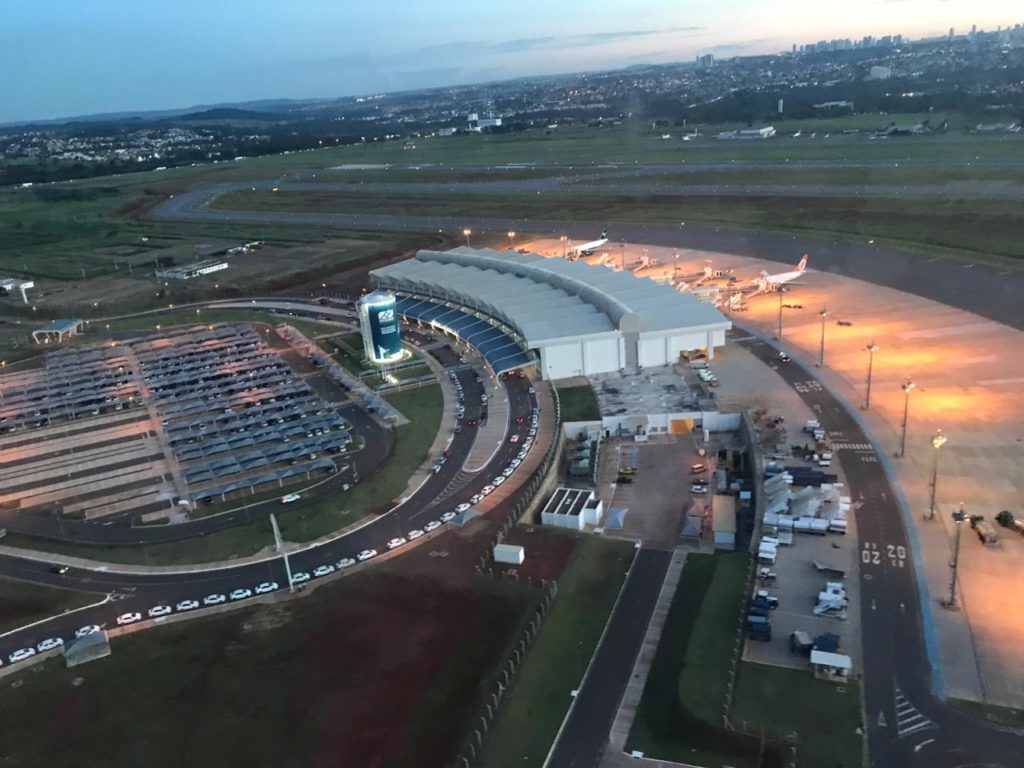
894 554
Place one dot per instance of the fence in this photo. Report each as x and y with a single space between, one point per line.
472 751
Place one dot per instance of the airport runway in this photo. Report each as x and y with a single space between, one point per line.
984 290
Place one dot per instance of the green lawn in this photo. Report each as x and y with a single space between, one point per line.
680 713
534 709
190 317
298 522
970 226
22 603
355 674
579 403
824 716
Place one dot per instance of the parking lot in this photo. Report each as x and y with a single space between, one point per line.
199 415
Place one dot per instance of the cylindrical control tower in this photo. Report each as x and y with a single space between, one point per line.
382 337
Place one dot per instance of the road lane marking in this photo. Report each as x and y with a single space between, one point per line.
908 719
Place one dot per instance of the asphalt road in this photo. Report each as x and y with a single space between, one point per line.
582 741
440 493
984 290
907 726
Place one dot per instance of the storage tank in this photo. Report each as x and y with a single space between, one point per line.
382 337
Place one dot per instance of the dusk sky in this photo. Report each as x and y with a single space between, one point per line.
68 57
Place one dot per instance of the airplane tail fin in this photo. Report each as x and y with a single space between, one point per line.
604 234
802 265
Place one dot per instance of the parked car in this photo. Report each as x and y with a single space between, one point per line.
323 570
214 599
624 480
187 605
21 655
265 587
396 542
414 534
128 618
88 629
366 554
487 490
300 577
345 562
698 488
159 610
448 517
240 594
462 507
433 525
49 644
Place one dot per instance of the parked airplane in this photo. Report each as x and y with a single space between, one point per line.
765 282
587 249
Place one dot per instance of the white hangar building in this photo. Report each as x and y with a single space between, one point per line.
571 318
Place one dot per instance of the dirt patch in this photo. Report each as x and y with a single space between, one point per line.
547 551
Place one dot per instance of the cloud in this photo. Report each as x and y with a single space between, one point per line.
582 40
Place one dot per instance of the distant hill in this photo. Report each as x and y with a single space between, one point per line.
230 114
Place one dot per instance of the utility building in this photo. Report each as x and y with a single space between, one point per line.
570 318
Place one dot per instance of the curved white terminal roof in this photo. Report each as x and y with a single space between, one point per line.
547 299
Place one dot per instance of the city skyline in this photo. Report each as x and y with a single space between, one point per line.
114 57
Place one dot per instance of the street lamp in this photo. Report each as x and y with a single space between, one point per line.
906 412
958 517
937 442
466 233
511 240
781 292
821 353
564 239
871 349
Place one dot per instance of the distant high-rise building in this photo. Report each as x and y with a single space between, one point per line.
794 47
705 60
952 32
974 29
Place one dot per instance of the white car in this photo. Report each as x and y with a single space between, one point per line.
129 618
698 488
187 605
396 542
265 587
345 562
498 481
290 498
414 534
214 599
433 525
49 644
323 570
159 610
300 578
532 432
366 554
507 472
24 653
462 507
447 517
240 594
487 489
477 498
88 629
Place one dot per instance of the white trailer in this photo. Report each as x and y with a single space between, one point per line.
511 554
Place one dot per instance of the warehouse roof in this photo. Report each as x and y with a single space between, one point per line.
548 298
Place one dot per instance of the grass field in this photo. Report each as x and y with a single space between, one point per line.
685 688
968 226
190 317
823 715
347 676
22 603
299 523
534 708
579 403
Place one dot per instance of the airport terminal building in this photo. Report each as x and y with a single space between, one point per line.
570 318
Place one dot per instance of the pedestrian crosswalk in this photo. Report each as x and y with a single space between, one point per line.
844 446
908 719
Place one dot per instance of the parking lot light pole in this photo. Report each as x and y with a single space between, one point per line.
511 240
821 352
284 552
907 388
958 517
871 349
937 442
466 233
781 291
